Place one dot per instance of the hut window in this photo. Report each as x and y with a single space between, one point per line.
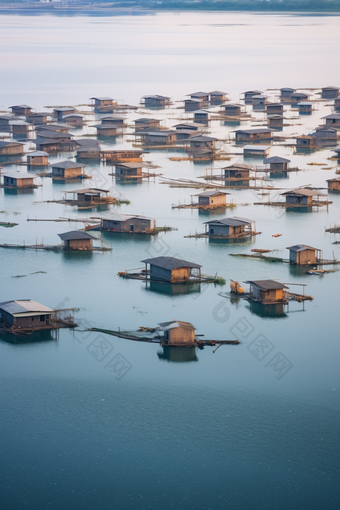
42 318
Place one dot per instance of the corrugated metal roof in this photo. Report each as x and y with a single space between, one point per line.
75 234
301 247
23 306
170 263
231 222
67 164
267 284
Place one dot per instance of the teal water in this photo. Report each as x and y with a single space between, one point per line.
216 429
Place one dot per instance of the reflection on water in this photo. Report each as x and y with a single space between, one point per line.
279 175
34 338
173 289
274 311
178 354
241 241
19 191
211 212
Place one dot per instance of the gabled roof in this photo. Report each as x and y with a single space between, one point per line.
254 92
21 106
275 159
87 142
238 166
211 193
305 103
18 175
198 94
75 234
175 324
5 144
203 138
287 89
233 105
299 94
125 217
88 190
335 179
23 306
54 135
170 263
73 115
301 247
188 126
37 153
155 96
304 192
145 121
255 130
67 164
332 116
201 112
230 222
330 88
103 98
217 93
267 284
256 148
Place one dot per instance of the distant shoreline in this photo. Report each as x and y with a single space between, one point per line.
55 10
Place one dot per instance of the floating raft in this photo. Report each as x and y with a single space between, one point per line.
243 235
58 247
145 277
8 224
150 335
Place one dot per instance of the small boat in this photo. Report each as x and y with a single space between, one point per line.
276 235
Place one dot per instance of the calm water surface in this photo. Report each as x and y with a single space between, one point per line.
216 430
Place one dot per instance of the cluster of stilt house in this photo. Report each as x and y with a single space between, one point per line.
51 133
